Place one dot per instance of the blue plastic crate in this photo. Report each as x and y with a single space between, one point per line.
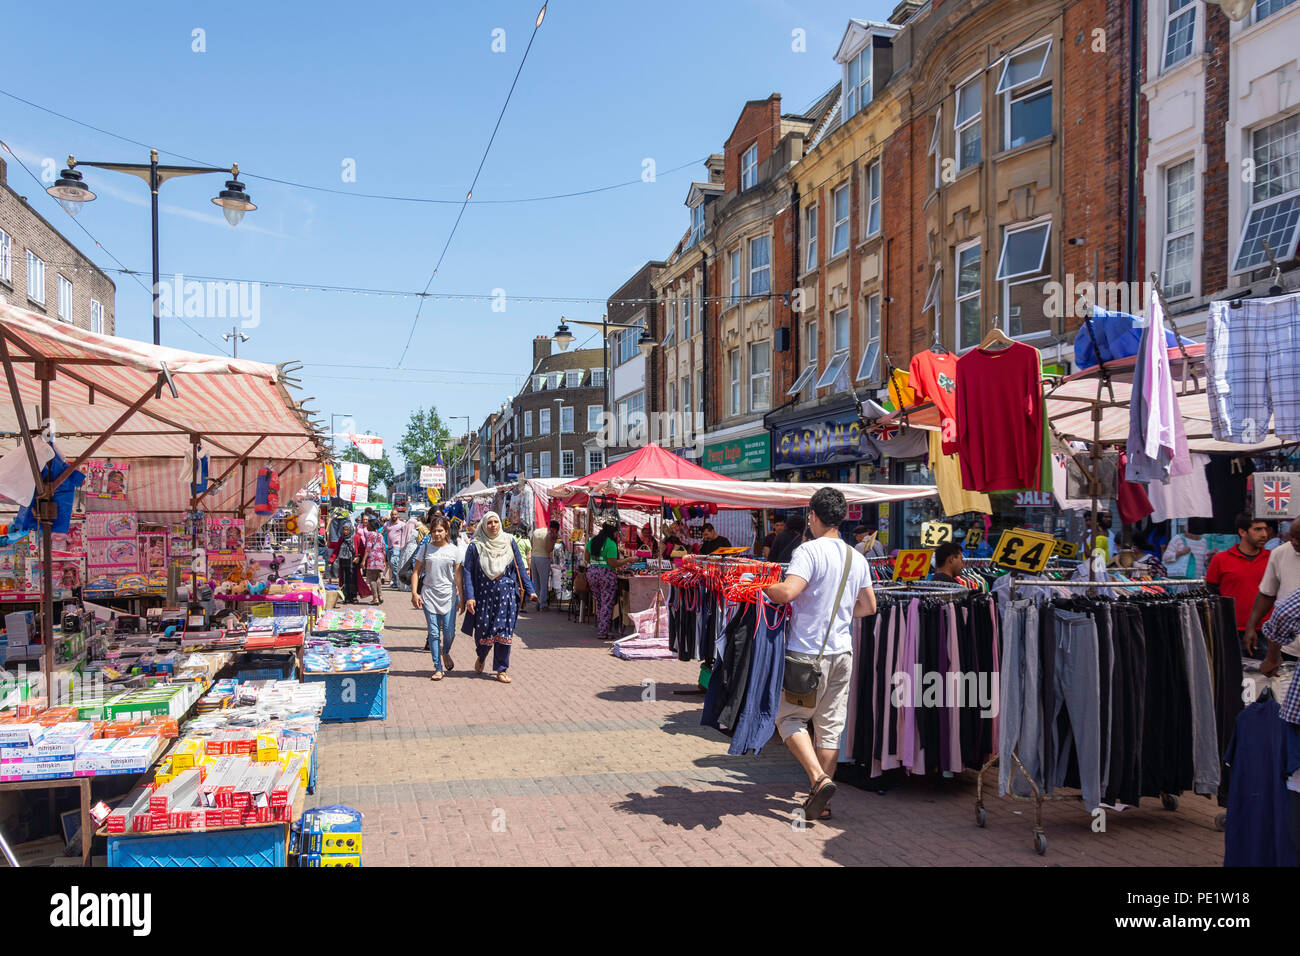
257 666
355 695
262 845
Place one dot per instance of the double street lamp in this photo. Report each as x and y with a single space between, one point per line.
72 193
563 337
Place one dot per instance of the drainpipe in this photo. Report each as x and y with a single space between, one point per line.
706 334
1135 93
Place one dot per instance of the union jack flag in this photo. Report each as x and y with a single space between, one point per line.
1277 494
883 432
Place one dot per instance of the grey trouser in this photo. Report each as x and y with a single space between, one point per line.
1076 688
1021 712
539 569
1205 737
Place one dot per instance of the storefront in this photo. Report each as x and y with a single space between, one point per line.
748 459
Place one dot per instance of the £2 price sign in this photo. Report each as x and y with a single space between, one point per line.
912 565
1024 550
935 533
973 537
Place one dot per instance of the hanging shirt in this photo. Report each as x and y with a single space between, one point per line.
947 478
1157 444
933 376
1185 557
1183 496
1000 419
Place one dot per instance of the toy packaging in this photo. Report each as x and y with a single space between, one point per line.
111 524
106 479
225 534
153 553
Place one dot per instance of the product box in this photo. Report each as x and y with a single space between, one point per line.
95 757
21 735
111 524
225 534
62 741
133 755
106 479
153 553
37 770
106 552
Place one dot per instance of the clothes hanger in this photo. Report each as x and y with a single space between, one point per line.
996 337
936 346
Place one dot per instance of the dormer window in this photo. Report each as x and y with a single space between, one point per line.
857 81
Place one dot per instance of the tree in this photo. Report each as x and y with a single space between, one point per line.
425 436
380 470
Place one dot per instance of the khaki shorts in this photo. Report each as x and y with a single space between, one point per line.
831 710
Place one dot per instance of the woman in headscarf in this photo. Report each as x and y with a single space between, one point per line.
602 573
496 583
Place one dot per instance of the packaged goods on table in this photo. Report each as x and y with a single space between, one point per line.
355 623
55 744
323 656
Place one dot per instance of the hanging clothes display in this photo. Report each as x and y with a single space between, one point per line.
947 477
1134 505
1157 442
1252 363
933 376
1122 698
1259 803
1183 496
1226 476
1001 419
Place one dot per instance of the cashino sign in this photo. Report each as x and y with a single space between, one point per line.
820 441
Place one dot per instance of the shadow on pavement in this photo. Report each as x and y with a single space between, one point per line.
635 693
689 809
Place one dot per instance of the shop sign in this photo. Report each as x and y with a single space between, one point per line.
1274 496
1023 550
912 565
744 455
832 439
935 533
433 476
1034 499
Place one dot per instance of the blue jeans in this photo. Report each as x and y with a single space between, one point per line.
442 631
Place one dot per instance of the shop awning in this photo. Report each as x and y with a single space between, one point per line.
752 494
122 400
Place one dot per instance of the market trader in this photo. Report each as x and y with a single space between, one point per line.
712 540
1281 579
949 562
1282 628
1238 572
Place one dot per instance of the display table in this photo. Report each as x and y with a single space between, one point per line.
636 593
255 844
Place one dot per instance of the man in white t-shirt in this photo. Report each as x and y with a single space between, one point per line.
811 586
1281 579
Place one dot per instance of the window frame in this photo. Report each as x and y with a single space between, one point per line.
6 258
568 463
734 277
874 203
1002 86
1182 233
528 465
600 410
686 317
853 99
960 298
37 286
572 419
573 378
765 269
600 455
96 316
764 376
871 339
1255 16
63 310
975 122
810 238
544 464
837 365
935 149
1254 205
1005 282
544 421
840 241
749 167
1187 10
1010 99
733 377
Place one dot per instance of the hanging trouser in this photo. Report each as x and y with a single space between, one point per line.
1076 690
1021 710
1205 738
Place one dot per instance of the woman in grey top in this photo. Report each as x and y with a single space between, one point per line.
437 588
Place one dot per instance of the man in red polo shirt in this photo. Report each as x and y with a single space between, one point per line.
1237 572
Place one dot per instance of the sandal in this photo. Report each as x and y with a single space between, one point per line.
503 677
478 666
822 792
436 675
446 659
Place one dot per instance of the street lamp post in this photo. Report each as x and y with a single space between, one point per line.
563 337
234 336
72 193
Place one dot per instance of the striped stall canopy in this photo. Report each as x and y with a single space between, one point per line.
233 405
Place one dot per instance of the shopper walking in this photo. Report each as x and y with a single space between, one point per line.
438 588
602 574
496 584
542 542
827 585
344 561
374 559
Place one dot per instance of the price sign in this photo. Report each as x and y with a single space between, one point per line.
1065 549
912 565
935 533
1024 550
730 551
973 537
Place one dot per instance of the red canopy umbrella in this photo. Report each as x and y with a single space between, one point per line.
652 461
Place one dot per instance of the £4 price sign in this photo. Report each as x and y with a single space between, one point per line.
935 533
1024 550
912 565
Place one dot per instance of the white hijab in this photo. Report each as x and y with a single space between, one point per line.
495 553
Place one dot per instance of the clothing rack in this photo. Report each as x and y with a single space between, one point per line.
1167 800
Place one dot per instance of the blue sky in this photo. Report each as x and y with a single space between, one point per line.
293 91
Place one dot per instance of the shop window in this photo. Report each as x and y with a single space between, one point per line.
1180 229
1022 269
966 123
1274 215
967 296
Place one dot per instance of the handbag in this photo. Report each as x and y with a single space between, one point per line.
803 672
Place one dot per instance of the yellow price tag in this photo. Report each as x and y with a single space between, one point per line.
973 537
912 565
1023 550
935 533
731 551
1065 549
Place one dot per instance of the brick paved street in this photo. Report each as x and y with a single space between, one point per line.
570 765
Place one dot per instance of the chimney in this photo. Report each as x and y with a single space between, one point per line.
905 11
716 167
541 348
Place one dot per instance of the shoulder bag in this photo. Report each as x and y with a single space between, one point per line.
803 672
